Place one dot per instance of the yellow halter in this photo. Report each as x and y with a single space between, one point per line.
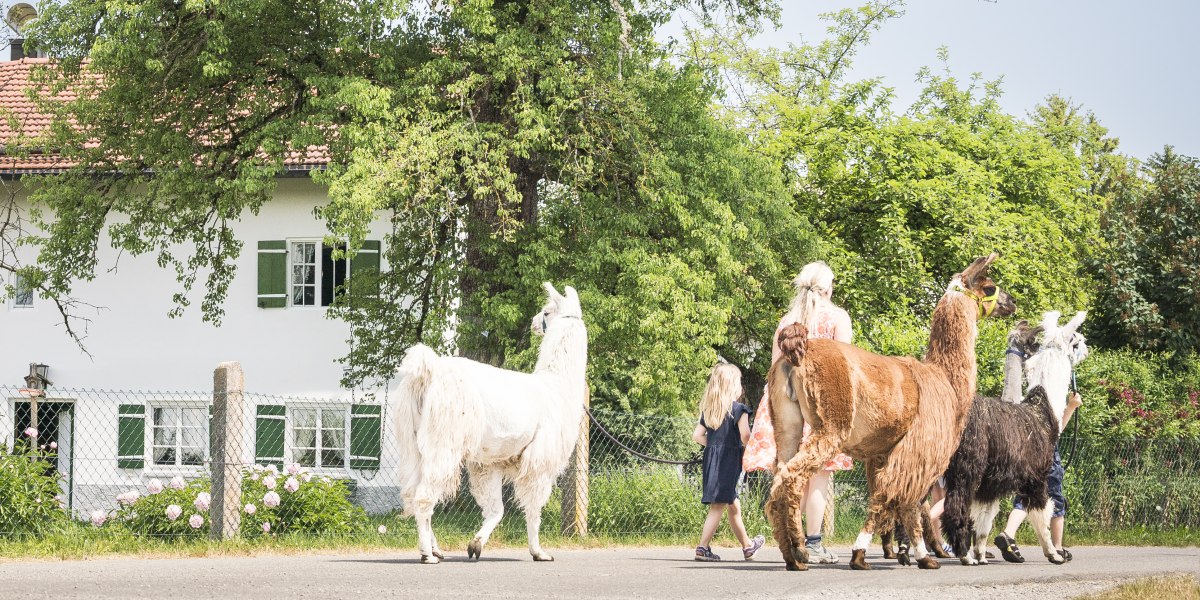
986 304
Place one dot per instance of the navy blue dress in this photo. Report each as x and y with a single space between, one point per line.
723 458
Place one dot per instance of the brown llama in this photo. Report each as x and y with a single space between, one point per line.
901 416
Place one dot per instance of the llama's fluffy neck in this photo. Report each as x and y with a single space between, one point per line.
564 349
1050 368
1013 363
952 335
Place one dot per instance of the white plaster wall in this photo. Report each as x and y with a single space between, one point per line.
135 345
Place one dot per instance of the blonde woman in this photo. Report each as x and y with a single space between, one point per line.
813 307
723 430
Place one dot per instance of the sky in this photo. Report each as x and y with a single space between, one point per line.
1131 62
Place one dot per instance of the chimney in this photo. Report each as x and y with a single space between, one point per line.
18 48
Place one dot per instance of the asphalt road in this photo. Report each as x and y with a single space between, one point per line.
657 573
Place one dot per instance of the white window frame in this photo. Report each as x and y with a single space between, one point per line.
16 283
289 444
152 467
318 301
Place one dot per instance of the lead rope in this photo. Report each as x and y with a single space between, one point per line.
1075 431
626 448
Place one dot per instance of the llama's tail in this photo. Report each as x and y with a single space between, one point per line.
792 342
416 371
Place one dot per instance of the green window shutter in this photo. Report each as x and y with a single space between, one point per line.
367 260
272 274
366 425
269 429
131 436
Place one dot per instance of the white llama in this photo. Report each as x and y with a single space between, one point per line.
503 425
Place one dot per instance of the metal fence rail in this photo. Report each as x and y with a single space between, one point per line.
320 466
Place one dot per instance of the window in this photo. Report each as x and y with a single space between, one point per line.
22 294
316 278
319 437
179 436
302 272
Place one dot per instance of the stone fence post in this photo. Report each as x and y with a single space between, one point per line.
228 453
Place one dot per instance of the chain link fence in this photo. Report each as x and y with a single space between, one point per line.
179 464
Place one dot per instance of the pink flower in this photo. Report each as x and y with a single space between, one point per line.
269 481
42 447
306 477
254 476
266 527
271 500
128 497
293 468
202 501
272 469
98 517
195 521
54 445
291 485
251 509
173 511
177 483
155 486
383 529
31 432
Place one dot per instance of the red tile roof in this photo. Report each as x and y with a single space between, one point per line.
17 109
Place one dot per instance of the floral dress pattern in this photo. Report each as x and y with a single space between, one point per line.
760 450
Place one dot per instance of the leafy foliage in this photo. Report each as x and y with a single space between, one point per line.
30 502
1149 270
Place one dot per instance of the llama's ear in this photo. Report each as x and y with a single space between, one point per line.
571 294
550 291
978 268
1075 322
1050 320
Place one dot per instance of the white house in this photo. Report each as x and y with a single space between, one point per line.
137 407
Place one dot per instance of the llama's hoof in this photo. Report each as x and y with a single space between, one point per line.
430 559
858 560
800 553
902 556
888 553
543 557
475 549
1057 559
928 562
792 565
968 561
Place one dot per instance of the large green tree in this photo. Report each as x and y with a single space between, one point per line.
1148 269
505 141
908 198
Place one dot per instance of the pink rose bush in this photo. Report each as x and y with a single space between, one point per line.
304 504
98 517
31 432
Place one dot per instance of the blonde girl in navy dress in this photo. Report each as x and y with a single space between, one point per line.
723 430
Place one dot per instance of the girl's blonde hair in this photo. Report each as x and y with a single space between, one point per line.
724 386
813 283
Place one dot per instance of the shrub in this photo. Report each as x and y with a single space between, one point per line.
29 490
273 503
